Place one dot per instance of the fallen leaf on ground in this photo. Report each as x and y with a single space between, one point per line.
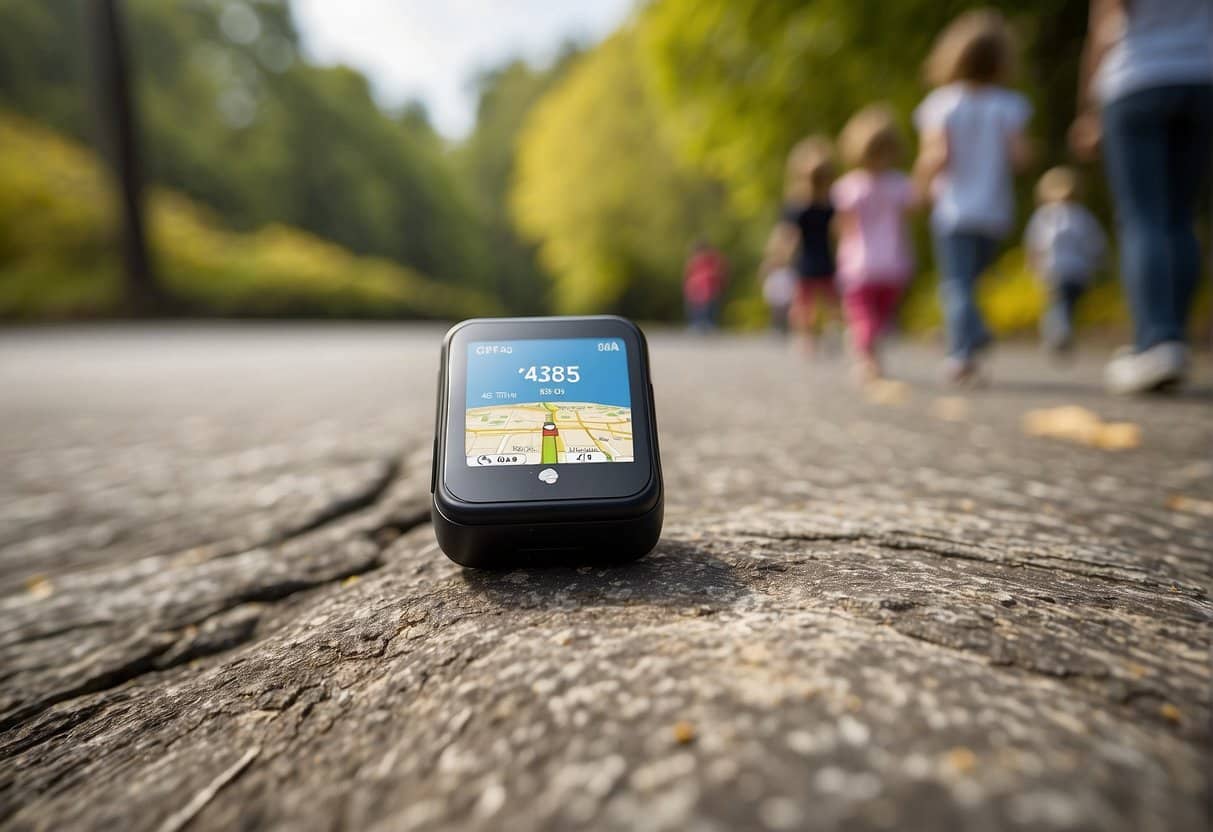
684 732
961 760
1170 713
755 654
39 586
886 391
1118 436
1192 505
950 408
1077 424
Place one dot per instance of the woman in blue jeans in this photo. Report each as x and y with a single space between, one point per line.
1147 97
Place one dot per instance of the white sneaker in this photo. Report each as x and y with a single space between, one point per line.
1161 366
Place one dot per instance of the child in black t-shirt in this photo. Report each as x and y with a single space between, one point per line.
802 237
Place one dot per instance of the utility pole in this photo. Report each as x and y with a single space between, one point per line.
120 147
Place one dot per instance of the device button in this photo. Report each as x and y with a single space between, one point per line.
548 476
434 467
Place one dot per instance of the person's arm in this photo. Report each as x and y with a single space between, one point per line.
781 244
1104 26
1098 240
932 160
1020 151
1016 112
911 199
1031 242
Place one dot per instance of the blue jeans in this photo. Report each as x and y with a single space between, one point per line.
1157 147
962 256
702 316
1058 323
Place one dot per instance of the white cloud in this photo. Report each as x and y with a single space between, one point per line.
432 50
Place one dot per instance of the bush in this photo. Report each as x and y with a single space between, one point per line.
59 259
1012 299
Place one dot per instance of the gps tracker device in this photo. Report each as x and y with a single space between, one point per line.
546 443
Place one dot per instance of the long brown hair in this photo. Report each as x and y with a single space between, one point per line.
810 170
977 46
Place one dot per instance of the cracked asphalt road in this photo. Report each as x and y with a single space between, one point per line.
221 604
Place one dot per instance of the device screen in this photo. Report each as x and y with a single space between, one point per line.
545 401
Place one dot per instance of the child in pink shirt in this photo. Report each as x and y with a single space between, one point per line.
875 257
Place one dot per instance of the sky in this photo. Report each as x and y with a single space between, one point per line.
431 50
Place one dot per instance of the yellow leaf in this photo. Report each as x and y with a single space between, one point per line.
887 392
39 587
1077 424
961 760
1192 505
950 408
684 732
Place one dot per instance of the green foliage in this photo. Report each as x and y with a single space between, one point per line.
58 257
486 164
40 74
740 81
601 191
1012 300
580 188
248 128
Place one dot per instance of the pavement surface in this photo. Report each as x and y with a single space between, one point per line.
222 606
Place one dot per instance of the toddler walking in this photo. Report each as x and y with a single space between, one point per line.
875 257
802 237
779 292
1065 245
972 142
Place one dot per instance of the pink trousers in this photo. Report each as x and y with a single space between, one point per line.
870 309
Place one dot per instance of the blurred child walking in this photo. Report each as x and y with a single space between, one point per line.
779 292
802 237
1065 246
875 256
972 143
703 285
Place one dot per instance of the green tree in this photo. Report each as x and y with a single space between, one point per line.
601 191
233 116
740 81
42 58
486 164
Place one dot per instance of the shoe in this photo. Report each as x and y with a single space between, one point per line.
1058 338
962 372
867 370
1060 351
1161 367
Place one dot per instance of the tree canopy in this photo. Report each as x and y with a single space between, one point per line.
234 117
740 81
582 184
600 189
486 163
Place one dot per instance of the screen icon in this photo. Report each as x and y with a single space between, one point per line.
548 476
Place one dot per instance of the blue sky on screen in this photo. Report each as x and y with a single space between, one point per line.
602 375
431 50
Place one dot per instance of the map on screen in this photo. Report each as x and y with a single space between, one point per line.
548 401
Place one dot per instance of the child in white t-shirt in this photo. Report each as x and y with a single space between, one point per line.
1065 246
972 130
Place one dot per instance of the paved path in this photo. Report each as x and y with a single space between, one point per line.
221 605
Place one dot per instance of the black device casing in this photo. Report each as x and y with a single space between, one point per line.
548 532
